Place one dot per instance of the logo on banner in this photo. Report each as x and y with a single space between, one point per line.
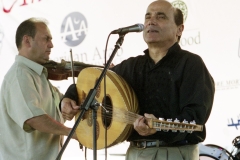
74 29
234 123
182 6
8 5
227 84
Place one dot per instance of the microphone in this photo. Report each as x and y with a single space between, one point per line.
134 28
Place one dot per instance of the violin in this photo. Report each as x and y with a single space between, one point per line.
65 69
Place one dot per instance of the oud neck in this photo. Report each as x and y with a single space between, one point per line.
174 126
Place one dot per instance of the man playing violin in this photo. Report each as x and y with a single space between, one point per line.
31 123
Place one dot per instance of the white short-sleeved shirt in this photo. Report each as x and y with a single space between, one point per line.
25 93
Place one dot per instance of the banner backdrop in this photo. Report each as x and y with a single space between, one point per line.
211 31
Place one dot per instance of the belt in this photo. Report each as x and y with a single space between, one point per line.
156 143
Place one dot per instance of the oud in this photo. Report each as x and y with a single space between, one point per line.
114 121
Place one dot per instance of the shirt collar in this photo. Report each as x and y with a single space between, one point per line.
31 64
173 48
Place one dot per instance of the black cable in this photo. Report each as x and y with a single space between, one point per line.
105 117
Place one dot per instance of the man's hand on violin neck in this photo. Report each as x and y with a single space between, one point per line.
69 108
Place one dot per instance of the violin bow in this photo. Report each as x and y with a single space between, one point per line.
72 66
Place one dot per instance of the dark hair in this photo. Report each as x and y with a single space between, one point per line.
178 17
27 27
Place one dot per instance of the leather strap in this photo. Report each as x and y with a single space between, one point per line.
156 143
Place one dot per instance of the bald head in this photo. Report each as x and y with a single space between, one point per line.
177 13
28 27
163 24
161 2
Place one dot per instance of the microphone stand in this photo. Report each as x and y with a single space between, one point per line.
90 102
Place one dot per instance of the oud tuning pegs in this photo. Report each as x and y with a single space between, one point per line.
176 121
191 127
168 125
184 121
169 120
175 126
161 119
163 125
193 122
171 126
183 125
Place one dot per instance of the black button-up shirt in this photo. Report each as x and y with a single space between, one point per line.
178 86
